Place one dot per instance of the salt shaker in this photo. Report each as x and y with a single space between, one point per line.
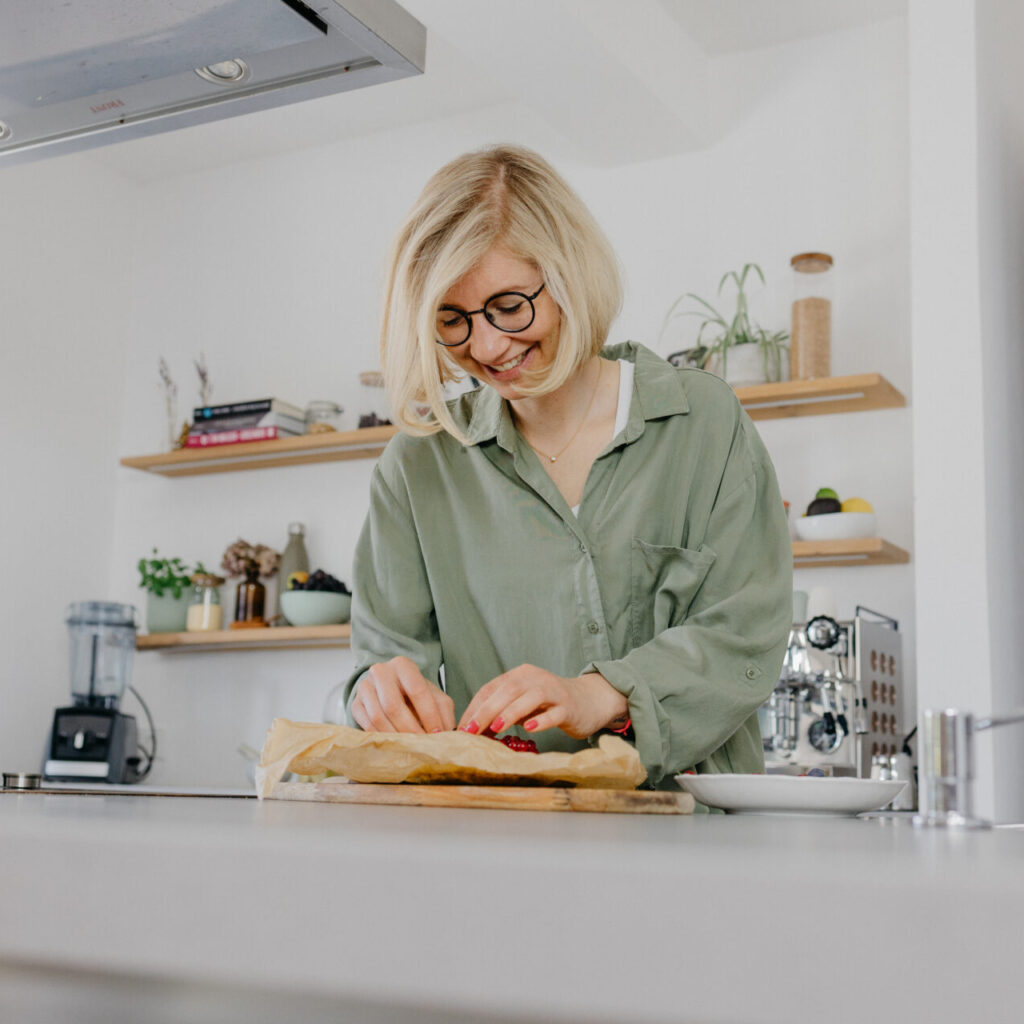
880 768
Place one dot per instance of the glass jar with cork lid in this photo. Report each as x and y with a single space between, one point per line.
205 613
810 343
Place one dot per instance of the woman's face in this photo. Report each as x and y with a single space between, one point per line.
490 355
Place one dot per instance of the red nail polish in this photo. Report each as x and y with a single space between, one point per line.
530 725
472 727
435 730
497 725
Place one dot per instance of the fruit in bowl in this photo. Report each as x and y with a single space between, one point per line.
316 599
828 518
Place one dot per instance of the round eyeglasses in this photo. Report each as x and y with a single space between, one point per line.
510 312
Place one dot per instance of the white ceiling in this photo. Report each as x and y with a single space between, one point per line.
579 65
732 26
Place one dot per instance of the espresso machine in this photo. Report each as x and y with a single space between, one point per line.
837 704
91 740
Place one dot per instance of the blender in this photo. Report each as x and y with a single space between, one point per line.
91 740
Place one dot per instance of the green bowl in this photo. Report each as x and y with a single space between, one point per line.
315 607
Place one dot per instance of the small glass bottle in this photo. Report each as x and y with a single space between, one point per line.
204 611
293 559
373 400
810 342
251 596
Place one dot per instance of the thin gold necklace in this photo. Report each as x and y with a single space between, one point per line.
593 395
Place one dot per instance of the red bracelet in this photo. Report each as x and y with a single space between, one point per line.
620 730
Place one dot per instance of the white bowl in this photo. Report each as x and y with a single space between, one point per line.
315 607
836 526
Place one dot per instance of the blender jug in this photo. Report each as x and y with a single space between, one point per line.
102 643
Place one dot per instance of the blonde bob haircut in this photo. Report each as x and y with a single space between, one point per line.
501 195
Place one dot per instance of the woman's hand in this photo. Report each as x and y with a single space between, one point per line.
394 697
542 700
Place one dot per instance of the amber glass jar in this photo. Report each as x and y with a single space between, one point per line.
251 596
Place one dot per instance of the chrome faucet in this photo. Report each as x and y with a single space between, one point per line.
946 758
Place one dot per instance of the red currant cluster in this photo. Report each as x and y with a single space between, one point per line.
519 744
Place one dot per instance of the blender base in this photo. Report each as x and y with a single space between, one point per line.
95 744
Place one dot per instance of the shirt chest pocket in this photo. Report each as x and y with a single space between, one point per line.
664 581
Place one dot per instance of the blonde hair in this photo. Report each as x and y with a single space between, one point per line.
503 195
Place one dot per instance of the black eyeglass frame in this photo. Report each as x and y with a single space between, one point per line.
468 315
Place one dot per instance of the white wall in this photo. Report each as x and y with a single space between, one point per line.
1000 25
273 269
65 291
967 259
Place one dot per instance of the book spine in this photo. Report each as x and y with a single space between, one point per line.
257 406
237 436
250 420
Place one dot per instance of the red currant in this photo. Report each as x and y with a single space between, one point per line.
519 744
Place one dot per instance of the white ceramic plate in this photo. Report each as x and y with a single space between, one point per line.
790 794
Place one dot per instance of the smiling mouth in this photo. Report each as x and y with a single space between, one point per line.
512 363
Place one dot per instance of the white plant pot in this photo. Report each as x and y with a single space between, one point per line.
744 366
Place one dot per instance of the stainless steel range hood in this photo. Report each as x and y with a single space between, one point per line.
81 73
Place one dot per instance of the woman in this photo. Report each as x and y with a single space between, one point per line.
593 539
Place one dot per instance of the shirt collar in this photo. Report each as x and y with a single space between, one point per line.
482 415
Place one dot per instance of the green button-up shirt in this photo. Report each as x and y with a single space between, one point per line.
674 581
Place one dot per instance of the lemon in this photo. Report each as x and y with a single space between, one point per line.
297 577
857 505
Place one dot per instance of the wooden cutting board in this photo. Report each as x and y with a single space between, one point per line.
503 798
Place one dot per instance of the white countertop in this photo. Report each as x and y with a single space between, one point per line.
505 915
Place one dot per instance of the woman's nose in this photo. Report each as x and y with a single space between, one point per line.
486 342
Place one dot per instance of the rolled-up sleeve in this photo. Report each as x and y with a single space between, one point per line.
694 685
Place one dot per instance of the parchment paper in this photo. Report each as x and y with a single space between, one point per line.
312 748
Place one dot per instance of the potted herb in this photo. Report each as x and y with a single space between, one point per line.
168 591
739 350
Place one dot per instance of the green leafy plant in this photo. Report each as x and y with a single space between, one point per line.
738 329
165 575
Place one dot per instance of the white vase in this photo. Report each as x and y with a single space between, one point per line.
744 366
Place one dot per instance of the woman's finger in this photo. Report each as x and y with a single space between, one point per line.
358 713
480 701
483 710
374 719
528 704
393 703
550 718
422 697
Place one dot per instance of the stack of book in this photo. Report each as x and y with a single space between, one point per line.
264 419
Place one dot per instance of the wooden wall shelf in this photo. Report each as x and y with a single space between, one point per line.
820 554
806 555
272 637
790 398
287 451
763 402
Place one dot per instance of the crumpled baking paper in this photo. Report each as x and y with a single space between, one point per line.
313 748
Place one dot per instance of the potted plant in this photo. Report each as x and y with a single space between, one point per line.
168 590
741 351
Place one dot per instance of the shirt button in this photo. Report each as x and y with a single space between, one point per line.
593 627
583 548
751 672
